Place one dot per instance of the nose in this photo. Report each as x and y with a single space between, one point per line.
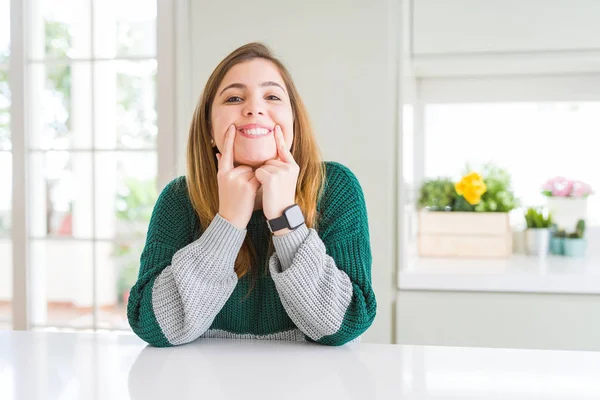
253 107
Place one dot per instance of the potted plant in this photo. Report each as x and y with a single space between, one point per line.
537 235
557 243
437 195
475 222
575 242
498 196
566 199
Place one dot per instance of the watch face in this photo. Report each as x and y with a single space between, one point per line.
294 217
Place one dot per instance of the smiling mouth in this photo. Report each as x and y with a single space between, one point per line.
255 133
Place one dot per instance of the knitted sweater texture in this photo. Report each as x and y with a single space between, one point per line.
316 285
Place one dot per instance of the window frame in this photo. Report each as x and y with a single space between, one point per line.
20 82
421 91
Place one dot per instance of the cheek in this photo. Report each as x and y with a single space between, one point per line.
288 135
286 120
220 121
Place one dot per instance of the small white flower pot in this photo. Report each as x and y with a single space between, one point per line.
538 241
566 211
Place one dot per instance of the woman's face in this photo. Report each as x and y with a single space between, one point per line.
253 97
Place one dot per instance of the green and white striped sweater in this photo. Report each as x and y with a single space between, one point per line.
317 286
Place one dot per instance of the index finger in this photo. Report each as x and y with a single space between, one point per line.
284 153
226 161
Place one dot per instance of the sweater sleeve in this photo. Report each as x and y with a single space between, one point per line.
182 286
324 278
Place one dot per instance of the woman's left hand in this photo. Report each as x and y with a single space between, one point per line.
278 178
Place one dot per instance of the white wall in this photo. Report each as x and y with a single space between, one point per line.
475 26
343 57
474 37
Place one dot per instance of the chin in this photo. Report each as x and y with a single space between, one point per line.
254 161
254 164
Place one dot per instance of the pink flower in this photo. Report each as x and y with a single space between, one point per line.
581 189
560 186
557 186
548 186
563 189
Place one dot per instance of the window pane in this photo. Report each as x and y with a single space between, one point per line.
61 194
60 29
61 283
125 28
5 241
125 104
6 190
61 106
5 143
118 266
5 172
533 141
4 30
125 193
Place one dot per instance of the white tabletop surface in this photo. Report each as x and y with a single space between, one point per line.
41 365
518 273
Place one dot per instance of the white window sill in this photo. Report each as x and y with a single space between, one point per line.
519 273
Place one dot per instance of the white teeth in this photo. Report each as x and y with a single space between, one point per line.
256 131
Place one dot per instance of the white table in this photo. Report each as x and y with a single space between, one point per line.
40 365
515 274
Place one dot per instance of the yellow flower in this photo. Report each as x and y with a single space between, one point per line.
471 187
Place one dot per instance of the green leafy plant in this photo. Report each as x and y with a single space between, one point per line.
499 196
536 219
579 232
128 256
135 203
440 194
437 194
560 233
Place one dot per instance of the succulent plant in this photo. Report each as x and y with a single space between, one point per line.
561 233
579 230
535 219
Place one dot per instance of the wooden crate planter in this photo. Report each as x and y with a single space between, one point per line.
464 234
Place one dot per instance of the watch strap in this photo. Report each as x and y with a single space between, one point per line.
283 222
277 224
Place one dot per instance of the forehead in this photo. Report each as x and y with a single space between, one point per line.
253 73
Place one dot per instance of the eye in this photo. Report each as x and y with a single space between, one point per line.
233 99
272 97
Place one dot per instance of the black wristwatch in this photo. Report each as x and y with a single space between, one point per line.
291 219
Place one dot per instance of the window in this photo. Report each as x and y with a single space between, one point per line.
534 141
5 171
92 157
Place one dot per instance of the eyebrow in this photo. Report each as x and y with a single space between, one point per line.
242 86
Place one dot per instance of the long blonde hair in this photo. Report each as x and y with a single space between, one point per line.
201 162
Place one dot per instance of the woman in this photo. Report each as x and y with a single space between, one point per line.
261 239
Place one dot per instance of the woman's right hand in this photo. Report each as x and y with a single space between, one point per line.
237 186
